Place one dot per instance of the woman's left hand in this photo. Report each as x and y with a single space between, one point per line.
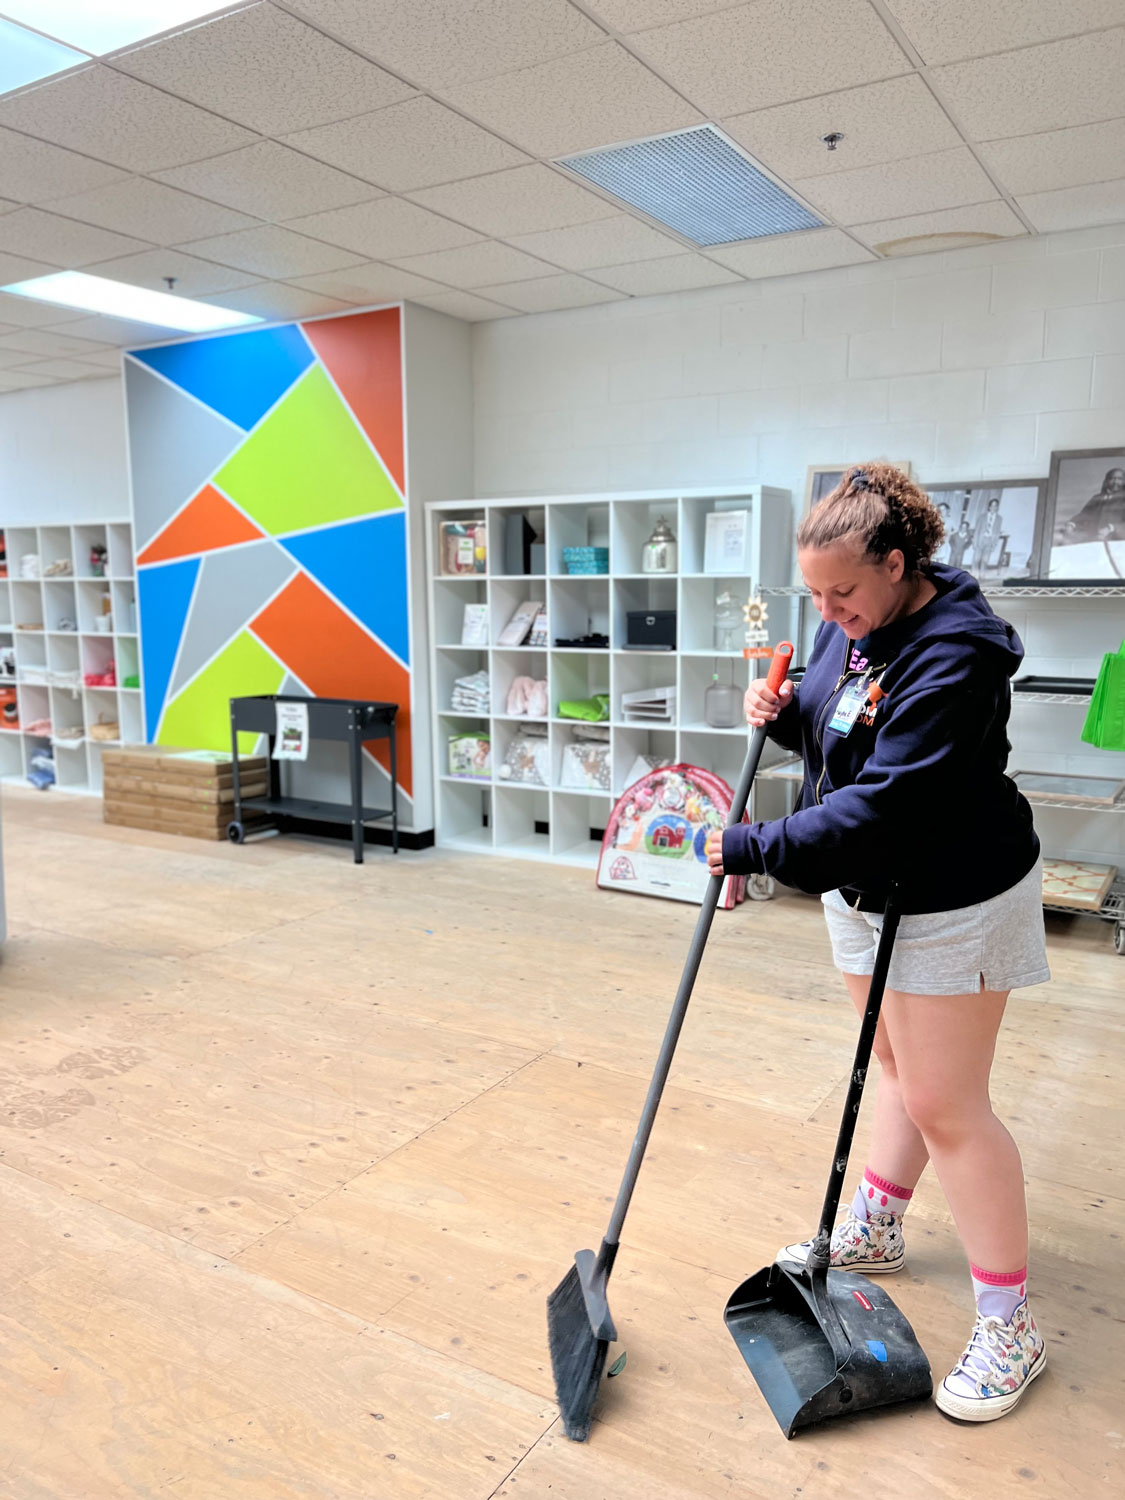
714 851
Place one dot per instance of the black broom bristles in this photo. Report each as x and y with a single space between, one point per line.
577 1356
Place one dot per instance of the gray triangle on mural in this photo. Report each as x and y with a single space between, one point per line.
175 445
292 686
234 584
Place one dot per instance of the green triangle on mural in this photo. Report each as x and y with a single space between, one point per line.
307 464
198 718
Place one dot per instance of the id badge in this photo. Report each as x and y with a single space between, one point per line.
852 699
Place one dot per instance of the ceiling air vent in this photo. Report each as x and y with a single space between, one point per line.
696 182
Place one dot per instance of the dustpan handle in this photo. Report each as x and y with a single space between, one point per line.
818 1255
779 666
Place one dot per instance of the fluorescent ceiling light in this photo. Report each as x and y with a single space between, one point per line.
100 295
104 25
696 182
26 56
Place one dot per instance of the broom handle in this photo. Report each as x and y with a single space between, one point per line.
779 666
819 1254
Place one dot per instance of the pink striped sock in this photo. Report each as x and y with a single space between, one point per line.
999 1293
875 1195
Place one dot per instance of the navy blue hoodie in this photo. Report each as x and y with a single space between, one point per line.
916 789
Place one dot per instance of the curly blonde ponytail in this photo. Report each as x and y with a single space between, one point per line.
882 509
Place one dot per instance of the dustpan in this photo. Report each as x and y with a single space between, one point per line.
823 1343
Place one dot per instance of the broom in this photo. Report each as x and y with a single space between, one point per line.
579 1326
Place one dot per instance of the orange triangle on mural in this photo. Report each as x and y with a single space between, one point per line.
205 524
363 354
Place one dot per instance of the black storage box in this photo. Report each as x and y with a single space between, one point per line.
654 628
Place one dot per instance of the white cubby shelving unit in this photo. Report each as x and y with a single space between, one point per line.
555 822
51 630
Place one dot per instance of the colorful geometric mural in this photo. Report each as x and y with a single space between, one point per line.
268 497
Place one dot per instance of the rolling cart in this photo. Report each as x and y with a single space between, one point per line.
352 720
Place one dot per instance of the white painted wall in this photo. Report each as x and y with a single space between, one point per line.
62 454
973 364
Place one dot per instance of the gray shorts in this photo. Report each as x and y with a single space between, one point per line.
947 952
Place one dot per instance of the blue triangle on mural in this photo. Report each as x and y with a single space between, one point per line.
363 565
164 594
239 375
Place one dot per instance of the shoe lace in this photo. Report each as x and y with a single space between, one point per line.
987 1342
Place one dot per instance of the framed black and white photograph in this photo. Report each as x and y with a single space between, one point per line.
822 480
1086 514
993 529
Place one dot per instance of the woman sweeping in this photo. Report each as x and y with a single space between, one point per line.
901 719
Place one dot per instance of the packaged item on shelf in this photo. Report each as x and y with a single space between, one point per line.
106 731
133 680
470 756
106 678
41 769
539 635
527 760
464 548
29 565
651 629
527 698
9 708
70 734
98 557
7 662
586 765
518 628
62 567
586 560
471 694
474 625
595 708
41 728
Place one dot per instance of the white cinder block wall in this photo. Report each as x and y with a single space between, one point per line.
971 365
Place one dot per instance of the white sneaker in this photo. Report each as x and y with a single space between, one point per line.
1001 1361
873 1245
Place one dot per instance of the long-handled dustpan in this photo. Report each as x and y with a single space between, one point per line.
579 1326
823 1343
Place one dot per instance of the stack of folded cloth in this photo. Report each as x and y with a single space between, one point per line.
470 694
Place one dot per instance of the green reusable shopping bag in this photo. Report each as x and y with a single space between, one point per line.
1105 722
595 709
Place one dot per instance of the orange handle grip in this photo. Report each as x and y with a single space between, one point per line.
779 666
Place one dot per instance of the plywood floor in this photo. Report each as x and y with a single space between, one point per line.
291 1153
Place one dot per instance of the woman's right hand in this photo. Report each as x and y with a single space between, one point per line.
762 705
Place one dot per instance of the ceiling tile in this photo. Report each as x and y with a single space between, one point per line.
636 15
786 254
22 311
994 218
515 202
122 331
486 264
672 273
110 359
914 186
151 211
271 181
1077 207
576 103
12 357
387 229
194 277
608 242
34 171
20 380
369 284
880 122
65 369
1041 88
120 120
412 145
438 42
265 69
278 302
271 251
465 305
49 343
948 30
550 294
34 232
772 52
1057 158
